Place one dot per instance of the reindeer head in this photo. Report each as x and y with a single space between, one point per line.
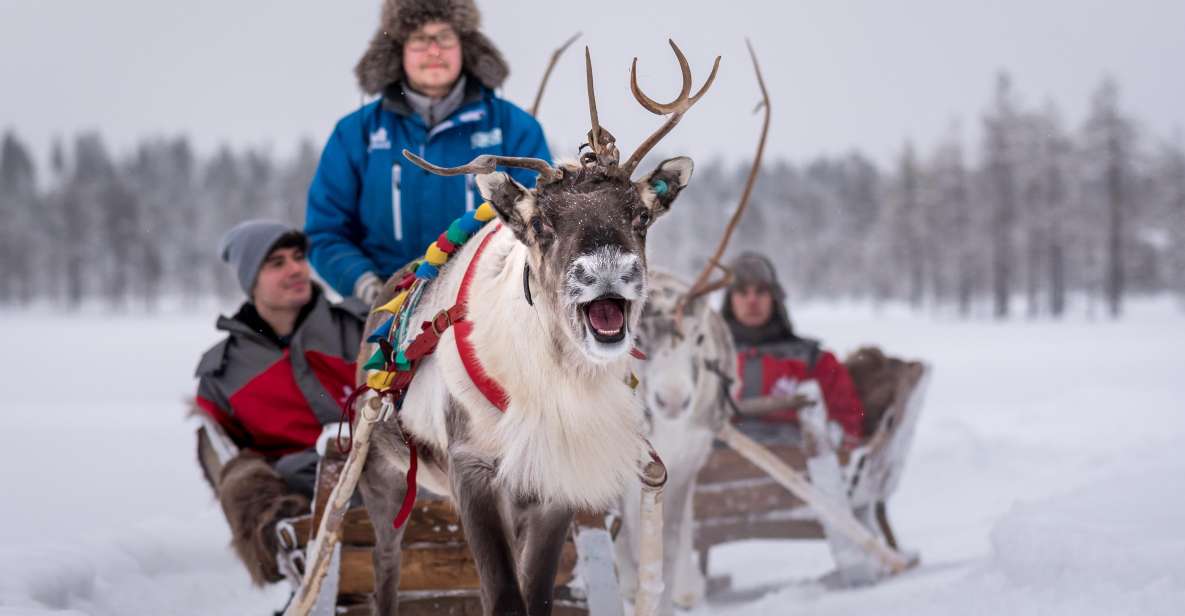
684 340
584 223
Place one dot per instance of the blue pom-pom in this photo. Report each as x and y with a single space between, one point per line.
426 271
469 224
660 187
382 332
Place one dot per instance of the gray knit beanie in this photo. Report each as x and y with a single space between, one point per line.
246 245
751 268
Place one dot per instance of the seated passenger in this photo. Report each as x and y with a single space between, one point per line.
775 362
276 385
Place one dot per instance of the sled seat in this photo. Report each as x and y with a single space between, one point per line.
735 500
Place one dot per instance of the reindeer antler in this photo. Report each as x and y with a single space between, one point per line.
701 286
599 139
487 163
555 57
675 108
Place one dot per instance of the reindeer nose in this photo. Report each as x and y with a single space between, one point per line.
673 402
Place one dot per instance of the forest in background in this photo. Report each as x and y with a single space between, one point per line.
1038 213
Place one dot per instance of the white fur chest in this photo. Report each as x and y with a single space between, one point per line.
569 434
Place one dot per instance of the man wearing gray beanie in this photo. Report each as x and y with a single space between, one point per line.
275 385
773 360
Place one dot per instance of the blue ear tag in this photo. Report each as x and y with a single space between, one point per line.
660 187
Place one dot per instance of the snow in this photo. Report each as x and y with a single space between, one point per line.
1045 477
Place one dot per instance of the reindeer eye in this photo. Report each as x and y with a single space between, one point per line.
644 218
537 225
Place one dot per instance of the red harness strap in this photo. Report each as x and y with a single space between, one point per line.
424 344
486 385
455 317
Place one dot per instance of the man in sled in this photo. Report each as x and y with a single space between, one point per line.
370 211
779 370
275 385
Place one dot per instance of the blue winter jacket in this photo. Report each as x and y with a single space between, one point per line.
372 210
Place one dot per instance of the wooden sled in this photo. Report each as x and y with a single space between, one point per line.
735 500
437 573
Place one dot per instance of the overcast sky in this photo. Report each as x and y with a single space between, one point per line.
842 74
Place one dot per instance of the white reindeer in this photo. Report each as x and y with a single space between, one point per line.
691 362
685 407
552 306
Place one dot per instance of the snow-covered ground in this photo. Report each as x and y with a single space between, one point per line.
1047 475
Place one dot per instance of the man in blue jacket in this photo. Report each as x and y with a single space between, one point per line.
371 211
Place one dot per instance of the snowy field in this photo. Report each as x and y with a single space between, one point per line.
1047 475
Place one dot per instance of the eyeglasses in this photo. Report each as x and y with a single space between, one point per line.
445 39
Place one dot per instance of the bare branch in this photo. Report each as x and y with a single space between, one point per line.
555 57
701 285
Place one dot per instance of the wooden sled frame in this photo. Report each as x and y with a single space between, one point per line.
736 500
437 572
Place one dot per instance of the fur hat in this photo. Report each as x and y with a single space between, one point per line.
382 64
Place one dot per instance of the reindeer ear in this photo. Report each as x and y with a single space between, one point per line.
661 186
513 202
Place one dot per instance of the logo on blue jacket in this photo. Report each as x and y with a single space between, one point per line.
379 140
486 139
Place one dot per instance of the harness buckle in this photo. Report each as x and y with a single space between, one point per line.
448 322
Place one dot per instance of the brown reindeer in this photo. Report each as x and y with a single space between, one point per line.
553 303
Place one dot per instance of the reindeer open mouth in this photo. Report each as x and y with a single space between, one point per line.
605 317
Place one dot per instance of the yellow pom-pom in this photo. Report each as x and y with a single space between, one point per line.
380 379
435 255
485 212
393 305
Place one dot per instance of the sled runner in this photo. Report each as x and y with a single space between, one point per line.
736 500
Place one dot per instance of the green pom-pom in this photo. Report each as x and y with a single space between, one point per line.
456 234
401 362
660 187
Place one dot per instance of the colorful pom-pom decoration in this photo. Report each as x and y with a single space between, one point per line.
435 255
485 212
427 271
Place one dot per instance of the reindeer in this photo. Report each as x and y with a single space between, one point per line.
554 301
684 385
684 409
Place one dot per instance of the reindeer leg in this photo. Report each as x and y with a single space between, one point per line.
546 530
490 542
648 599
383 486
686 582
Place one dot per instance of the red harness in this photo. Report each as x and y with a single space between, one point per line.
454 317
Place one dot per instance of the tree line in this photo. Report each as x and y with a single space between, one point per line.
1036 216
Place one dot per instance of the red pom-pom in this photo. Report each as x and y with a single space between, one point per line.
444 245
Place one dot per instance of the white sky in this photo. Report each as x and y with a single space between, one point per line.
842 74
